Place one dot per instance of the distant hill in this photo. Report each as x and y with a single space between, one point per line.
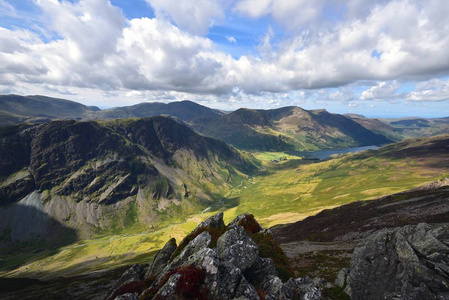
377 126
37 109
101 177
183 110
288 128
16 109
403 128
419 127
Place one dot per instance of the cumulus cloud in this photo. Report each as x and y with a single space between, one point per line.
382 90
432 90
92 27
60 90
94 46
193 16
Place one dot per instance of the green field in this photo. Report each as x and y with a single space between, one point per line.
269 156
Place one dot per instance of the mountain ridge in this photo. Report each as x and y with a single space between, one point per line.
82 172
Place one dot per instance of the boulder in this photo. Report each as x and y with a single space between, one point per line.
248 222
161 258
215 221
342 277
411 262
238 248
134 274
200 242
260 271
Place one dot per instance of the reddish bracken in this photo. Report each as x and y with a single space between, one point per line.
190 281
250 224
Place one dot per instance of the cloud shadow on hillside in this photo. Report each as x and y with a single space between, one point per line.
28 234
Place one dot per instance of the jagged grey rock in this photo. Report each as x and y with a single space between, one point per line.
221 277
168 290
128 296
272 287
307 288
411 262
238 248
135 273
342 277
260 271
246 290
161 258
200 242
215 221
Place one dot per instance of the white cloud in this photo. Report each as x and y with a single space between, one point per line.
194 16
95 47
231 39
7 9
92 27
432 90
382 90
60 89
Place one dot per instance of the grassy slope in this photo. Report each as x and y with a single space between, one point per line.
295 191
285 192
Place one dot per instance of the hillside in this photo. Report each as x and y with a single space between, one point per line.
288 128
356 220
419 127
323 244
288 191
379 127
104 177
37 109
183 110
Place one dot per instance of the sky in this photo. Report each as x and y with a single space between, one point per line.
378 58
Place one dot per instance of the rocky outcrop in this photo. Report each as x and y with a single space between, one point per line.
161 258
217 262
410 262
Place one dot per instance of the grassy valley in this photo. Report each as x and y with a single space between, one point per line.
288 191
282 192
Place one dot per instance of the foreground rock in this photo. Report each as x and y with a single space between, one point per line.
411 262
238 261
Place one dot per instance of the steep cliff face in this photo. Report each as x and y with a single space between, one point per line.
102 176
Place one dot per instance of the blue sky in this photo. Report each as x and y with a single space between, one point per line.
379 58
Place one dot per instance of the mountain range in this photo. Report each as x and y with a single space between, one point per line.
84 189
285 129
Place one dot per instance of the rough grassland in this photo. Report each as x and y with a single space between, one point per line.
291 193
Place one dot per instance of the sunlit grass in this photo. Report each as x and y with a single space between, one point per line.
293 193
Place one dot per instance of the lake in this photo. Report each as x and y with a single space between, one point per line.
323 154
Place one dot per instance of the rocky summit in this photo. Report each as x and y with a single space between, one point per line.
215 261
